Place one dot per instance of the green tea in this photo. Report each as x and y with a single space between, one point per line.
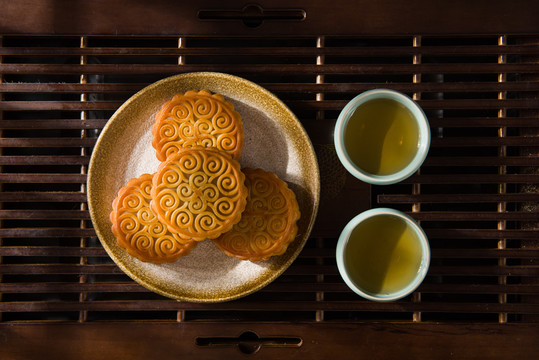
383 255
382 136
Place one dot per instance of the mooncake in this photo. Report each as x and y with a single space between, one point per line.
197 119
137 228
268 224
199 193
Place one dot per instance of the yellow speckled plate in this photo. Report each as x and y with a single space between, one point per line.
274 141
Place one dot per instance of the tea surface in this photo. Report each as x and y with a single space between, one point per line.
383 255
382 136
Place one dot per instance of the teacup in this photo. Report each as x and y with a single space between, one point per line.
383 254
382 136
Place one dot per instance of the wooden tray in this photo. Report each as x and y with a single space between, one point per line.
472 66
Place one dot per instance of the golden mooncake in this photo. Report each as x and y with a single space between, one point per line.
199 193
268 224
197 119
137 228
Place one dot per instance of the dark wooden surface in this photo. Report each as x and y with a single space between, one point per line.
66 66
289 341
347 17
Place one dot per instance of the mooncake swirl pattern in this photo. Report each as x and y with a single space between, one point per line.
197 119
268 224
137 228
199 193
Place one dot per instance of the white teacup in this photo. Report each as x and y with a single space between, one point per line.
382 136
383 254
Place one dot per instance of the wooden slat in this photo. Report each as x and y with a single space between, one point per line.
481 234
348 51
442 253
302 104
53 124
481 161
484 271
444 142
43 178
473 289
484 253
457 198
473 179
44 214
46 232
243 305
54 251
31 87
47 142
132 287
468 253
44 160
45 196
269 69
336 87
59 269
483 141
22 288
434 270
480 122
59 105
475 216
428 104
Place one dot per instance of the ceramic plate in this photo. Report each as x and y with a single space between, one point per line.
274 141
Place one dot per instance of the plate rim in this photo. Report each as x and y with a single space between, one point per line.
148 284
